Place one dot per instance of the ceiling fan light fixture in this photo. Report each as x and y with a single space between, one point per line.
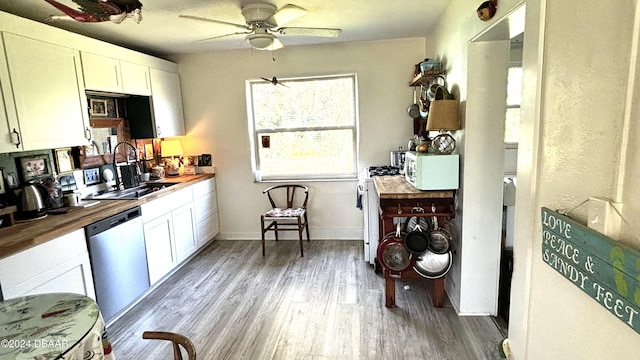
261 41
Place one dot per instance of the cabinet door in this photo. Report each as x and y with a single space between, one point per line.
101 73
184 231
9 129
59 265
49 93
135 79
158 237
167 103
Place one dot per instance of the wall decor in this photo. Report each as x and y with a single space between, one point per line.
487 10
204 160
12 180
115 11
605 269
64 160
98 107
34 167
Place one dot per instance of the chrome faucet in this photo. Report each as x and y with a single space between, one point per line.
115 166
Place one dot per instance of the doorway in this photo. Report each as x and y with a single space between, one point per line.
490 158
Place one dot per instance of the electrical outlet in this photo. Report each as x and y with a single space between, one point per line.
92 176
603 217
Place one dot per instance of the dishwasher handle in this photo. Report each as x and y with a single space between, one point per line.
112 221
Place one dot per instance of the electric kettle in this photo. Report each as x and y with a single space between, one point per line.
30 204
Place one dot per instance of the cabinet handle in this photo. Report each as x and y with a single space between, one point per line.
146 80
158 130
87 134
15 138
115 68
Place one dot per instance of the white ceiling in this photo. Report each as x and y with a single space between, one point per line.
162 32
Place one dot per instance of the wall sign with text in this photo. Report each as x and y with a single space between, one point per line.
606 270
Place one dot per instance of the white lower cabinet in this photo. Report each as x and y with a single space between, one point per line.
59 265
184 230
206 210
161 257
169 232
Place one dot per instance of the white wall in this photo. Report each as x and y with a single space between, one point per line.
472 282
213 87
577 60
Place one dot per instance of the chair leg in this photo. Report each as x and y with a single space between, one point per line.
275 228
300 238
263 231
306 226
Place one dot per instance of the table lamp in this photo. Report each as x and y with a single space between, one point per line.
172 148
443 116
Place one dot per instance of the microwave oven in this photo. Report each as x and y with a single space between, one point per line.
432 172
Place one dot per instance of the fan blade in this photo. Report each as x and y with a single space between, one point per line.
244 27
304 31
276 45
225 35
286 14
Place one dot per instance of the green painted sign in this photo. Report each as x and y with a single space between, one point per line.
607 271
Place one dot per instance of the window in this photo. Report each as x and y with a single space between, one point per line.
303 128
514 99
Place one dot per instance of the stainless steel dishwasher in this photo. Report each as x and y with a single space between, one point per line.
118 261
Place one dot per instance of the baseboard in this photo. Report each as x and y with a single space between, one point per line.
315 234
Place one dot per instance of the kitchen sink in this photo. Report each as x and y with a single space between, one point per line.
136 193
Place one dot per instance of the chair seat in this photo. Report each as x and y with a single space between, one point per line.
284 213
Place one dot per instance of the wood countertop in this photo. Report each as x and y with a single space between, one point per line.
396 187
27 234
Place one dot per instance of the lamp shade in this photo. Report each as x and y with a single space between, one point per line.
443 115
170 148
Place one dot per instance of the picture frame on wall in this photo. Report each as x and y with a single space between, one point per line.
12 180
98 107
64 160
34 167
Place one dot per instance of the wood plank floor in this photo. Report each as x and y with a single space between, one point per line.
235 304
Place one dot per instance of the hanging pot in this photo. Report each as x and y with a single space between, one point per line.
424 102
414 109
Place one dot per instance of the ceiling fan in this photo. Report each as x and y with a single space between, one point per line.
263 21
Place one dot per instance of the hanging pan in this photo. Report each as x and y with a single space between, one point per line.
433 266
440 239
417 238
392 253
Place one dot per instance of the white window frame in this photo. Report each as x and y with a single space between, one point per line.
255 135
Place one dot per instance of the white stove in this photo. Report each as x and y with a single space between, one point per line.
370 205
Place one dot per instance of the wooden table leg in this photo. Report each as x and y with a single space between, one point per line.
390 291
438 292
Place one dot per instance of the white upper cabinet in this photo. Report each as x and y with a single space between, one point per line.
101 73
48 91
135 79
9 128
167 103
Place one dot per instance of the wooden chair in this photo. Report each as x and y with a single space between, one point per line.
293 217
177 340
